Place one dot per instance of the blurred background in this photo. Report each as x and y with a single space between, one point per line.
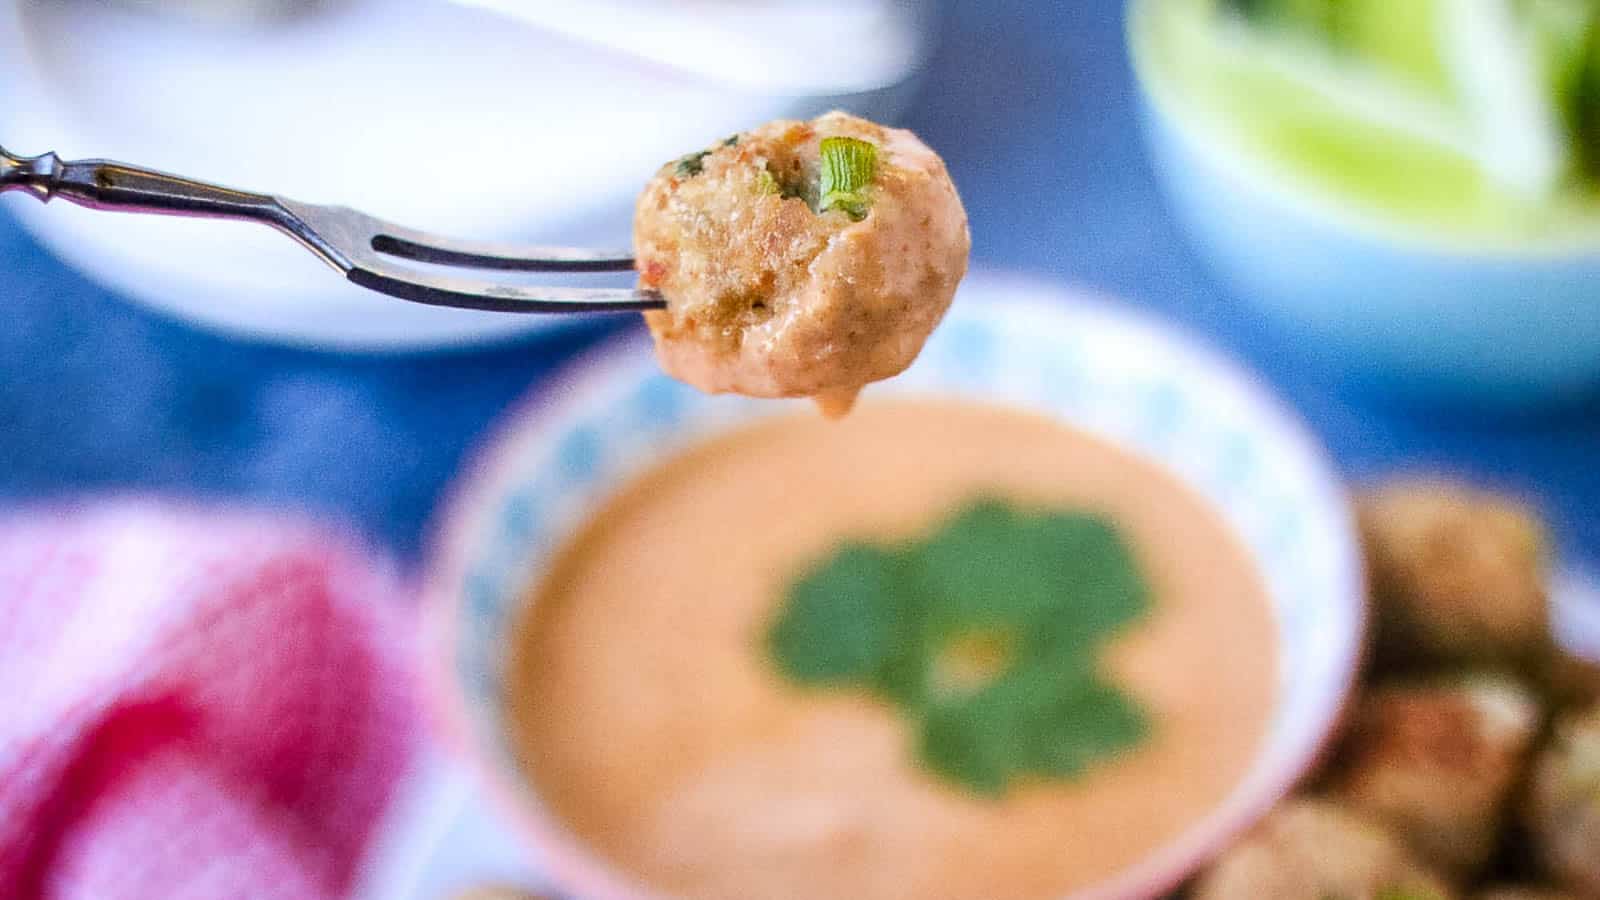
178 359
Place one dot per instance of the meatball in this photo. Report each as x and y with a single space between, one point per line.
1564 804
801 259
1568 681
1438 764
1311 849
1457 575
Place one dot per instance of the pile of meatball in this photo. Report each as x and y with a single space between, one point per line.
1469 762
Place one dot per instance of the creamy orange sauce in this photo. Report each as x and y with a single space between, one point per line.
648 715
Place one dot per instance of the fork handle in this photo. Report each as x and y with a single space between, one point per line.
103 184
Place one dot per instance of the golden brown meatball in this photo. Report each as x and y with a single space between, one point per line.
1564 804
1438 763
1312 849
1458 575
776 288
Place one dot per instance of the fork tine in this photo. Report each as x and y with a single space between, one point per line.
408 243
349 240
467 293
357 235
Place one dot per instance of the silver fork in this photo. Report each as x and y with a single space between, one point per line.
366 250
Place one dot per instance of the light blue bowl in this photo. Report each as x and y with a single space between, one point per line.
1500 322
1094 366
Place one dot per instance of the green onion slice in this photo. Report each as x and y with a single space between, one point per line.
848 166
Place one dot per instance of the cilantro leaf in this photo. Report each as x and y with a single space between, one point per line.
1086 720
1093 567
988 567
843 621
1060 571
984 634
1051 720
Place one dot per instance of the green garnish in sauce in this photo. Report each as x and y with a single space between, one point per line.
848 166
984 634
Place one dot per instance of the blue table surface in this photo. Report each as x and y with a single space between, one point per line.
1032 105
